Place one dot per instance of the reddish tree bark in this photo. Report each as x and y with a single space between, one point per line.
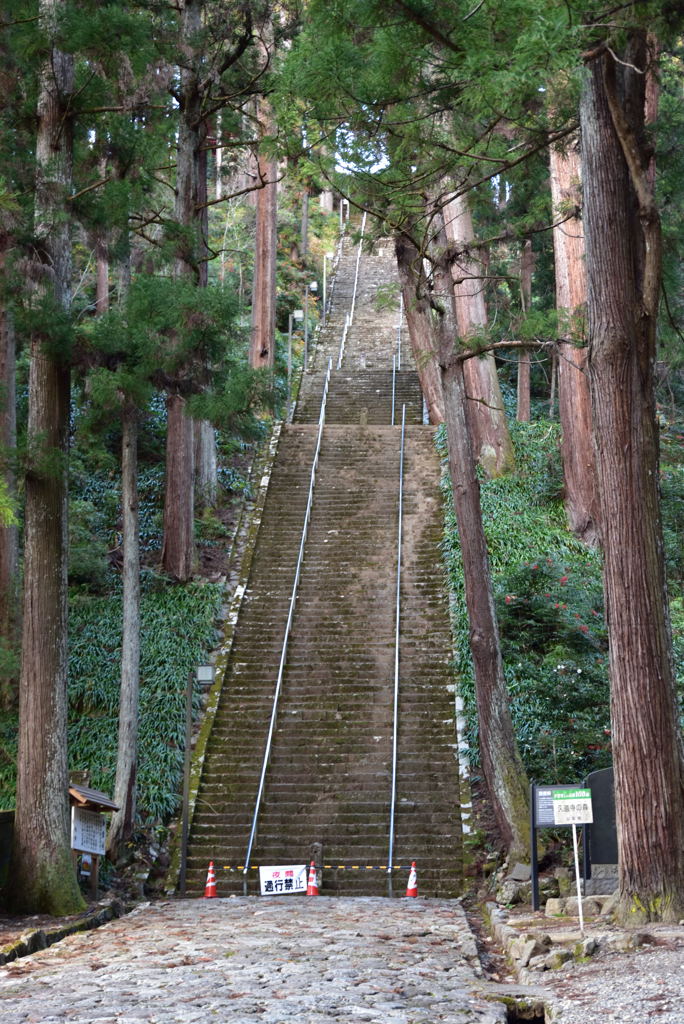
125 791
523 414
486 416
574 401
262 346
43 878
418 318
623 269
178 552
9 536
501 763
178 548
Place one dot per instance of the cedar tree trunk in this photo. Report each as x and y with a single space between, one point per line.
262 345
9 535
523 414
178 553
622 232
178 550
491 439
206 478
574 402
123 820
501 764
42 873
418 318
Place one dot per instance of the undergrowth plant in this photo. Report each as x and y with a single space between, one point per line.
549 600
547 588
178 628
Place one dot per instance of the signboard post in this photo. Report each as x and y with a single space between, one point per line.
553 806
572 806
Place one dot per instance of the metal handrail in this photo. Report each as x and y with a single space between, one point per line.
333 273
356 274
395 723
343 342
399 322
394 387
350 315
288 629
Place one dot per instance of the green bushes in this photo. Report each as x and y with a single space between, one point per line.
547 588
548 593
178 628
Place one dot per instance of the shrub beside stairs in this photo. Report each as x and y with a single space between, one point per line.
329 776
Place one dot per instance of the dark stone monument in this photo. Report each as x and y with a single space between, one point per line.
601 855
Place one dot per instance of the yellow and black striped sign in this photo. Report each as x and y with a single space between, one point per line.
330 867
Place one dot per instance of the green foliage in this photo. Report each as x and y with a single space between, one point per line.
87 552
9 730
548 593
672 492
547 588
554 647
178 627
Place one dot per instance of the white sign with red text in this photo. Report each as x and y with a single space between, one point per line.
283 880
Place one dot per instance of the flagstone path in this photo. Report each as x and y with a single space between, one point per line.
268 960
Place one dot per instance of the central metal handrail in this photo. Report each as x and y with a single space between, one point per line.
356 273
395 721
343 342
288 629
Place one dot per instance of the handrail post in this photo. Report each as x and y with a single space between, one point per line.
288 629
395 722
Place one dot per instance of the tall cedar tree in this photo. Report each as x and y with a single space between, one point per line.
501 763
487 422
43 878
622 230
210 46
574 401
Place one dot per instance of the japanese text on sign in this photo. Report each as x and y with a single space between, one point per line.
88 831
572 807
283 880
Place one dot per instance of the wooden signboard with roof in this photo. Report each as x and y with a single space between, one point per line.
89 827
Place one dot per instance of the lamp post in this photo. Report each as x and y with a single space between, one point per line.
311 287
204 674
296 314
326 256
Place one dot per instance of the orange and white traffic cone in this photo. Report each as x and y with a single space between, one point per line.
210 887
412 887
312 887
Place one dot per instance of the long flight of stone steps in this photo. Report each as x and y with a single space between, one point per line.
329 777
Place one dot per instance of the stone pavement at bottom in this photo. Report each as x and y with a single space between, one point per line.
270 960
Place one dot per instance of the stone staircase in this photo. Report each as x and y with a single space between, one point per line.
329 777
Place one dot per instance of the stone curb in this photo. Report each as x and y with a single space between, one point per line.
531 950
41 938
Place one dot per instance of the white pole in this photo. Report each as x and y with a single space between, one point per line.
306 327
577 878
289 364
